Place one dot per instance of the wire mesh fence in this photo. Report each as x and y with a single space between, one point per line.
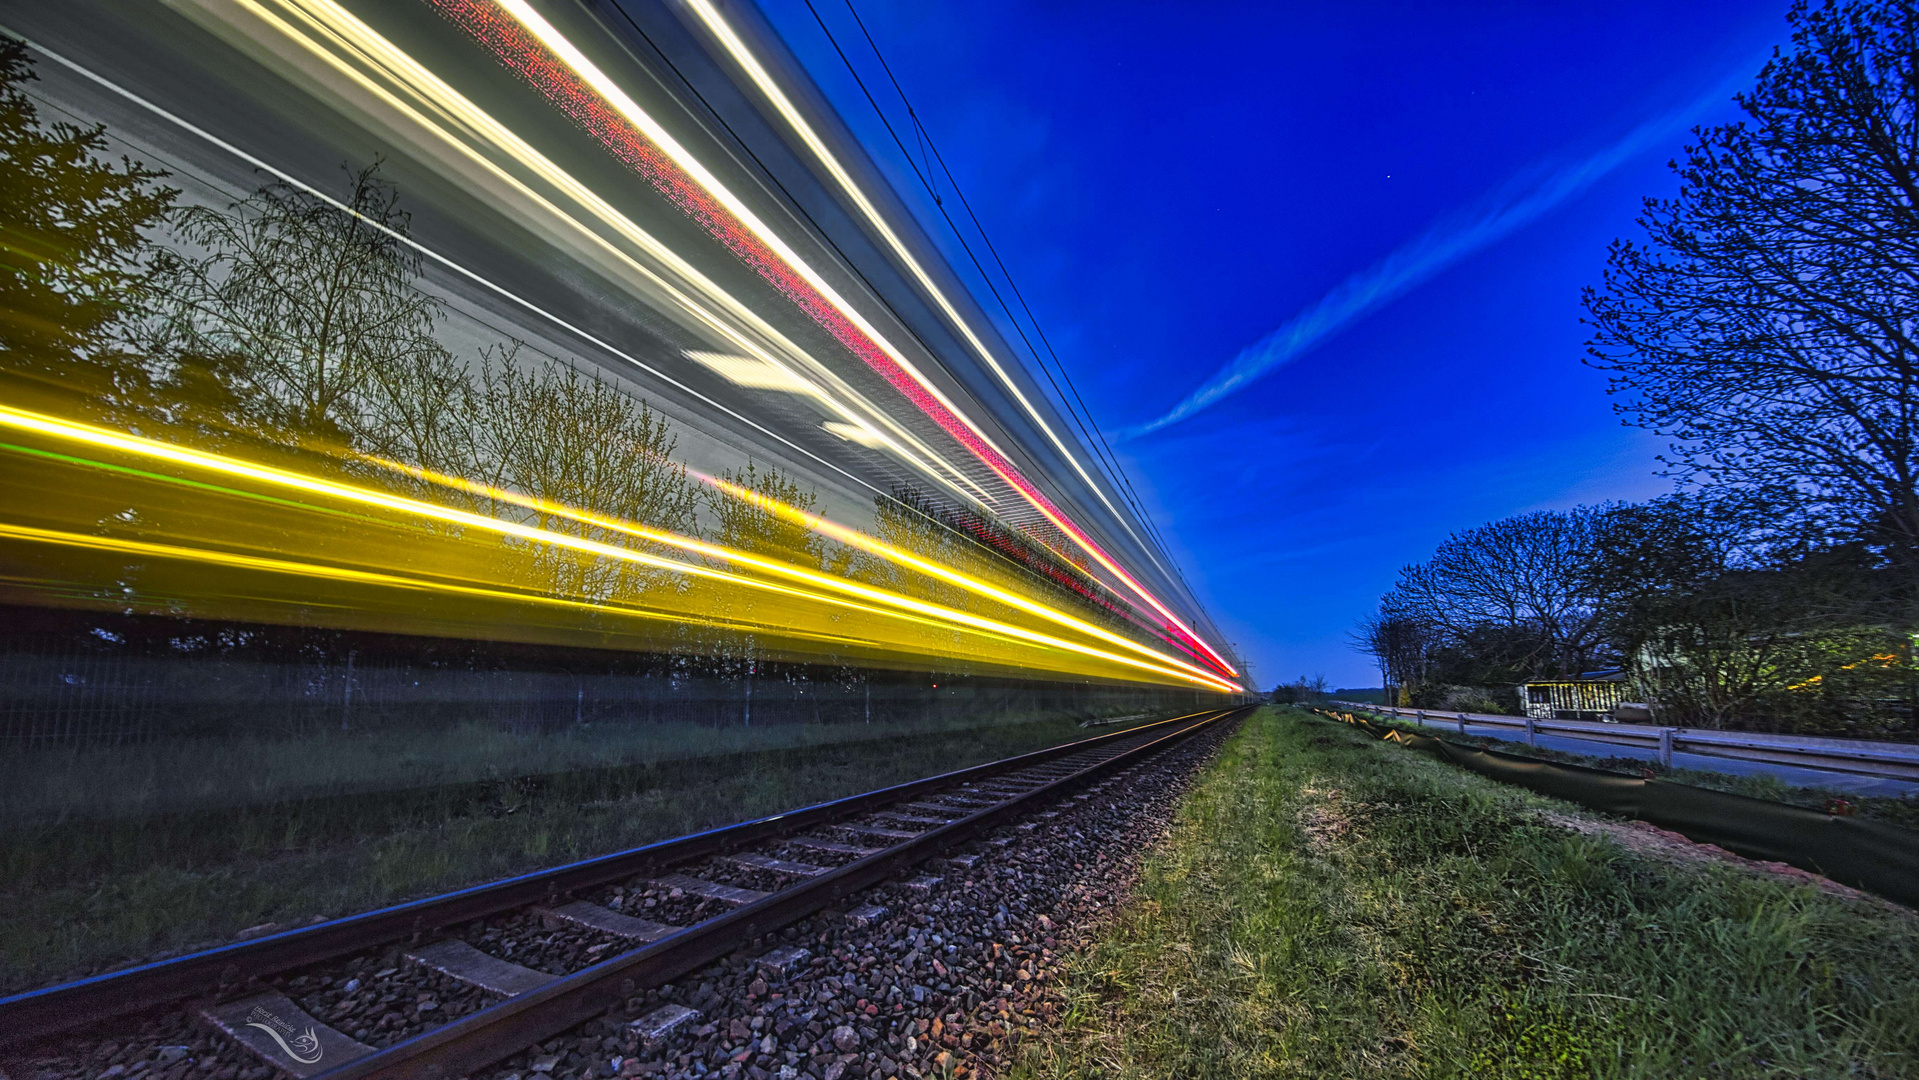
75 696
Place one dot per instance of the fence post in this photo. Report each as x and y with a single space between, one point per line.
1532 731
1419 717
1462 723
1665 747
346 706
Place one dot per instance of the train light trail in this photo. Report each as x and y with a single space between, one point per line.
364 47
502 163
798 582
755 373
575 77
442 135
736 47
817 524
873 546
856 433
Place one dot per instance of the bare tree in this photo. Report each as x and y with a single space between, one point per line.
748 526
1522 573
1401 645
1769 323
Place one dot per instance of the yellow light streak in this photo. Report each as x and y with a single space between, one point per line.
851 537
354 38
875 546
239 561
717 24
610 92
153 450
731 41
815 523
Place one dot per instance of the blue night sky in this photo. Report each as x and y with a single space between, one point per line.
1171 184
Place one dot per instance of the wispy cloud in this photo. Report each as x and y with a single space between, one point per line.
1516 204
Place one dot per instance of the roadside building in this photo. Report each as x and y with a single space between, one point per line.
1594 695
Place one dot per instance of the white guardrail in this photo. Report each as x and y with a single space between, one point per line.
1897 760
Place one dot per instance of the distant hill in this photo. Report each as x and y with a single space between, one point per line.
1370 695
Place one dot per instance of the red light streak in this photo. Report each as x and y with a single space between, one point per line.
520 52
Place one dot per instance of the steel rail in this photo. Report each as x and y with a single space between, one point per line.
35 1015
484 1037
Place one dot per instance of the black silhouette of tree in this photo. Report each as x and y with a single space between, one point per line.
1516 585
1724 622
1771 323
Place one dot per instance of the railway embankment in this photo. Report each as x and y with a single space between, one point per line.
894 933
1326 904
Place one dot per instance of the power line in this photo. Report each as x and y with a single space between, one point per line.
925 138
1109 457
940 203
1101 447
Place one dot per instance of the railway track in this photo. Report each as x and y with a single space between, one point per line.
512 963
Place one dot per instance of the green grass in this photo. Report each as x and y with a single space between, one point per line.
77 894
1331 906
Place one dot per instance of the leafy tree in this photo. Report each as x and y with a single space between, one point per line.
1726 623
311 319
1768 323
578 441
1487 655
1301 689
74 253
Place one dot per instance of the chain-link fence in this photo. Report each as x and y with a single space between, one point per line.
81 697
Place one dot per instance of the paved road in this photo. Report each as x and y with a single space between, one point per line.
1797 776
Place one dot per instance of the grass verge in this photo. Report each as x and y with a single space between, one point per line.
78 896
1330 906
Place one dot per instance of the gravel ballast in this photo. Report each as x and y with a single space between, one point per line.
942 985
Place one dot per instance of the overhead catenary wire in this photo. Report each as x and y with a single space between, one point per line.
721 33
927 181
1096 438
1153 547
798 208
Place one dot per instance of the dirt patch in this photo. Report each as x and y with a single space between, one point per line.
1648 839
1323 818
